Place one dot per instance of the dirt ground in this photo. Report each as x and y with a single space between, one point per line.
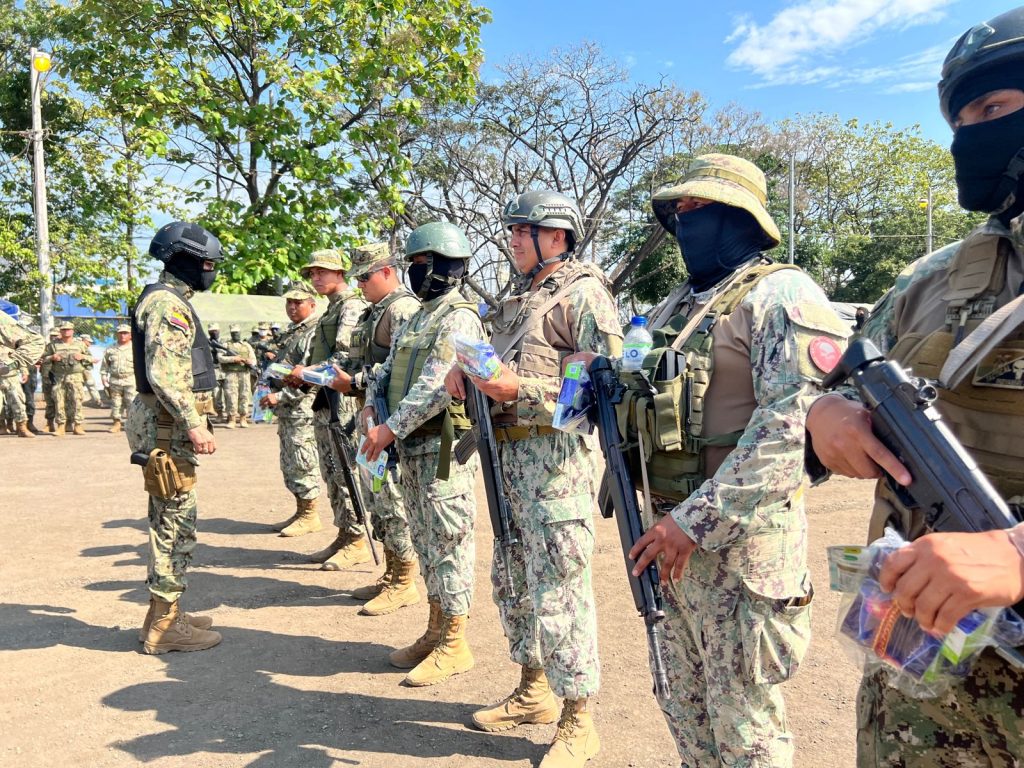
300 679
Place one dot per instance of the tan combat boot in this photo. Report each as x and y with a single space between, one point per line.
325 554
307 519
353 553
115 427
58 429
22 429
243 422
531 702
231 423
370 591
199 622
411 655
576 739
168 631
78 429
399 592
295 516
451 655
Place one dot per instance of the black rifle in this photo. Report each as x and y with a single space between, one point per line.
383 412
223 350
348 462
946 484
646 588
481 438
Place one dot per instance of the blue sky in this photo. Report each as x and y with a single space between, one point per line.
869 59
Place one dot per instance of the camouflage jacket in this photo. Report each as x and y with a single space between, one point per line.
20 348
344 308
67 365
240 349
293 349
118 366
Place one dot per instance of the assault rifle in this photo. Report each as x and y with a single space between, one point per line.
646 588
946 484
481 438
219 346
343 452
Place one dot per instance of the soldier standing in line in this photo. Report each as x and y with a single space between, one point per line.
118 374
562 307
213 331
174 378
753 340
294 407
373 267
331 343
47 377
237 392
68 359
29 387
438 492
19 350
935 310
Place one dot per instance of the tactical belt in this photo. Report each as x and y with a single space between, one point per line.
509 434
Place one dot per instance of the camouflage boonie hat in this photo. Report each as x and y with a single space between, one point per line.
123 328
724 179
213 327
234 328
300 290
66 325
329 258
370 257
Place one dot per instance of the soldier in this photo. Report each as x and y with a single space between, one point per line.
46 376
237 391
937 303
213 331
561 307
331 343
19 350
752 340
294 408
174 378
118 374
374 269
438 492
68 358
88 385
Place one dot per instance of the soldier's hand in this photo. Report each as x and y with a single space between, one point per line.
667 540
270 400
940 578
455 382
78 356
294 379
56 358
840 431
270 356
378 438
579 357
342 381
202 440
502 389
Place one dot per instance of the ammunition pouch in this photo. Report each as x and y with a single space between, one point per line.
166 476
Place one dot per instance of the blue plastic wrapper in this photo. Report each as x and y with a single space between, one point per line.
259 413
575 398
476 357
321 375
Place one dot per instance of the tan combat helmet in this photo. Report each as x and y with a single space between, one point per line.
724 179
369 258
328 258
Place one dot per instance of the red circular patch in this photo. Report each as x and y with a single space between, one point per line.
825 353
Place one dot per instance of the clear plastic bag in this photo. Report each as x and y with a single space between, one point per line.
575 398
476 357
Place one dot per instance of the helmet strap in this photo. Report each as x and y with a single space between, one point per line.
542 263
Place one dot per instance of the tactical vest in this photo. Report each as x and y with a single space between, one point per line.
663 404
204 377
67 365
236 351
325 337
365 349
411 353
986 410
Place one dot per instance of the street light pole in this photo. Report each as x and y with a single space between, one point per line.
39 62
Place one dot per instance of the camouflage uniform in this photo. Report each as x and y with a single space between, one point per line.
118 371
294 413
440 512
46 376
550 620
67 384
237 387
19 350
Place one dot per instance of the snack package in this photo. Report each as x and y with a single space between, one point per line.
476 357
321 375
575 399
279 370
259 413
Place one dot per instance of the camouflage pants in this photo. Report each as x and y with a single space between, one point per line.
13 398
330 468
976 724
237 394
218 395
172 522
51 406
67 399
388 517
121 395
441 514
726 650
29 388
299 456
550 620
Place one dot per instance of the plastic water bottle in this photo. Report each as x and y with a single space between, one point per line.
636 345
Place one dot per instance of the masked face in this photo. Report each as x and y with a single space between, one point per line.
214 334
715 239
982 152
192 271
236 335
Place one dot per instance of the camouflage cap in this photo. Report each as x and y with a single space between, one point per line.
275 326
300 290
213 327
86 337
123 328
54 333
724 179
367 258
234 328
66 325
264 325
328 258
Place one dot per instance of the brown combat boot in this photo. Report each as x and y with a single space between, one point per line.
21 428
531 702
398 593
199 622
115 427
355 552
231 423
575 740
168 631
58 429
411 655
370 591
451 655
78 429
295 516
307 519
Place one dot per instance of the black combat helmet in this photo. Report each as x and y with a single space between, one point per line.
183 237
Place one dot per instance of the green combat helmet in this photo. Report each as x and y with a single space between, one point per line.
723 179
329 258
439 238
545 209
369 258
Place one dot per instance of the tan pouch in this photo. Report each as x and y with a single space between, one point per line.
165 476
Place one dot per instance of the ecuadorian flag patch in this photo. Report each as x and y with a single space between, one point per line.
179 320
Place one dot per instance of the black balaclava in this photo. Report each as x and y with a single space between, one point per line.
715 239
189 269
236 335
214 335
450 271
